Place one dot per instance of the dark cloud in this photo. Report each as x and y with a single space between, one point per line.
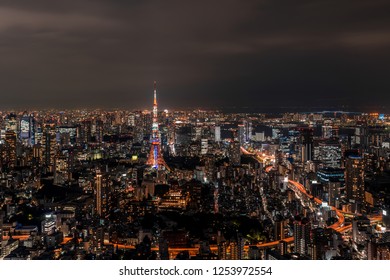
231 53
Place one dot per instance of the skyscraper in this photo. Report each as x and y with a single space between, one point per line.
302 229
10 139
241 134
217 134
50 146
1 230
11 123
306 144
100 193
235 153
354 179
156 159
27 131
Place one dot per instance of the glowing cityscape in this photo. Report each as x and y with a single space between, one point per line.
195 130
194 185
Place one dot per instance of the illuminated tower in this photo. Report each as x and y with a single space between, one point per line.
155 159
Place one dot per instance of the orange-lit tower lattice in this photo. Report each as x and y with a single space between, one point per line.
156 159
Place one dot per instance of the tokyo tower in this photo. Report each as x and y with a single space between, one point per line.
155 159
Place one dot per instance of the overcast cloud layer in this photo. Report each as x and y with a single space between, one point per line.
263 54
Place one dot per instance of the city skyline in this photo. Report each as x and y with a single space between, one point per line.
207 130
228 55
199 185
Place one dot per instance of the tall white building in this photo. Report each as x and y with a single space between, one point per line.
217 134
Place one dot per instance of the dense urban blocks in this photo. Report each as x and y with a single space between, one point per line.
115 184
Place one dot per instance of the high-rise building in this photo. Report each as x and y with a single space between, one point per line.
248 132
327 131
85 131
61 171
196 132
383 252
372 248
48 225
306 144
131 120
302 229
318 243
235 153
330 174
11 123
27 130
279 230
10 140
334 190
328 153
67 135
360 225
241 134
99 133
204 146
386 217
146 120
100 194
1 230
354 179
50 146
217 134
232 250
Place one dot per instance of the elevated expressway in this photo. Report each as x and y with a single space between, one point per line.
298 187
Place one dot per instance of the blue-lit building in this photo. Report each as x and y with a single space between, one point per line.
27 129
333 181
330 175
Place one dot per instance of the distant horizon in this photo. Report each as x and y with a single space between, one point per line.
228 109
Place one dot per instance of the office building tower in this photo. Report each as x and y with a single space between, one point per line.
279 229
49 146
49 223
354 179
99 131
235 153
306 144
101 193
27 130
333 188
204 146
241 134
327 131
328 153
302 229
217 134
85 131
11 123
1 230
10 141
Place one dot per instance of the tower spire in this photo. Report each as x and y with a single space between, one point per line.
155 94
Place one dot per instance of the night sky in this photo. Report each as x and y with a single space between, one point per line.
253 55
